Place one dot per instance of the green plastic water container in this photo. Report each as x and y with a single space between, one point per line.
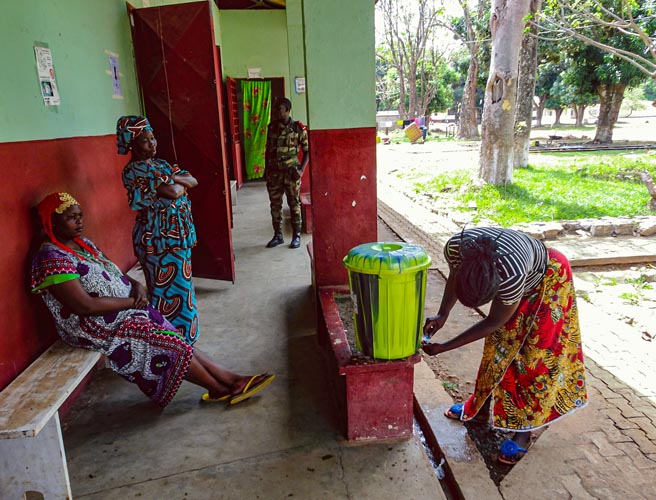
388 289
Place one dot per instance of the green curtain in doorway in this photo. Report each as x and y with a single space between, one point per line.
257 110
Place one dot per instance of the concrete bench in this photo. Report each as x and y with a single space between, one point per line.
32 456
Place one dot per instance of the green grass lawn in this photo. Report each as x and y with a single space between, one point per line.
560 186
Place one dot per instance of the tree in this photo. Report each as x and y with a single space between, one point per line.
633 98
611 44
472 29
444 76
506 26
408 31
608 75
649 88
387 87
558 99
528 61
547 75
631 18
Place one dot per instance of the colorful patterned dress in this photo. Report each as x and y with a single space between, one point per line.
163 236
533 366
140 345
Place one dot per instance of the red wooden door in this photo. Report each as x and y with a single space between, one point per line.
179 76
233 126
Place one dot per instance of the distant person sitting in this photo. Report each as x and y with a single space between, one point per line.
97 307
421 123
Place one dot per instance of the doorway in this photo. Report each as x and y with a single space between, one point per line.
240 170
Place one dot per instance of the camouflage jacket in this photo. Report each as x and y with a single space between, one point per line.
284 142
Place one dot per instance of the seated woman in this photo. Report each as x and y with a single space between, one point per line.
97 307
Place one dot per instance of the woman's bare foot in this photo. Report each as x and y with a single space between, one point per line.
253 385
522 439
238 386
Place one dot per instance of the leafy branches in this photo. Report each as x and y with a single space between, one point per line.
409 29
584 19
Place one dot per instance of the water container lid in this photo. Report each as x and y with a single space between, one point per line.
387 258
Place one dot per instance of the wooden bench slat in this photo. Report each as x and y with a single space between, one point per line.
53 377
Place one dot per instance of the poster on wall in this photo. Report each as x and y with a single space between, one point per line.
299 84
115 73
46 74
254 73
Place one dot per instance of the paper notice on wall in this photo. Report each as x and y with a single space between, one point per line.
46 74
254 72
299 84
117 92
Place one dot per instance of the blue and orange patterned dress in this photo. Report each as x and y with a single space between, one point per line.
163 236
140 344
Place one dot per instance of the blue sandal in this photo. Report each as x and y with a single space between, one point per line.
455 412
511 452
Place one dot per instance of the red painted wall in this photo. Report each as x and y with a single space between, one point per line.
88 168
344 199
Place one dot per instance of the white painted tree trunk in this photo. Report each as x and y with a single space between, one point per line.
507 25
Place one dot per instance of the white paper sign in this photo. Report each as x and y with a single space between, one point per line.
299 84
46 73
254 72
117 92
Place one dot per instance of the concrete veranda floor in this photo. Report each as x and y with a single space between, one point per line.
283 443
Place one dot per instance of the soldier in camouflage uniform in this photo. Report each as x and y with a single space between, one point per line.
283 172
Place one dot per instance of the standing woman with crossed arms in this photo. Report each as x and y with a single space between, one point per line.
164 232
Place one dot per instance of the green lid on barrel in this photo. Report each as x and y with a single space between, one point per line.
383 258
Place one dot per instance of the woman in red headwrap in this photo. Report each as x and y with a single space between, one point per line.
95 306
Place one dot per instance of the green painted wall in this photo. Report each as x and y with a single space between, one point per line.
255 39
78 32
296 57
339 45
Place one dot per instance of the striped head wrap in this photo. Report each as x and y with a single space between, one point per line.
129 128
58 203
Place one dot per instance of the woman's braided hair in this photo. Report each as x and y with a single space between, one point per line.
477 281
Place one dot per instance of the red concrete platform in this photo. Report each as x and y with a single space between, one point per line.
374 397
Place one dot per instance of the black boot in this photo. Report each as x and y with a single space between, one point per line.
296 240
276 240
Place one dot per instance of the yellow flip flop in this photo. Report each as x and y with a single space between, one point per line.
207 399
251 388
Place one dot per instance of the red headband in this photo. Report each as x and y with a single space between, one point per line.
58 203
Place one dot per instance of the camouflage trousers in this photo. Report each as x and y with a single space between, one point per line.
279 182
